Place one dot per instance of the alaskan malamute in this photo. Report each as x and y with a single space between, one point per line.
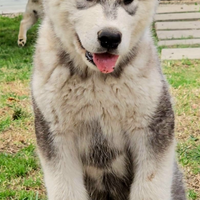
103 114
34 10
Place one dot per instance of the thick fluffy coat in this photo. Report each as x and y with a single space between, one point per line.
103 133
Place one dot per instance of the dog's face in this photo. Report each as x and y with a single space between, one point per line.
102 31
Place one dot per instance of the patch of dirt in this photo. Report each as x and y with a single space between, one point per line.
17 183
187 125
17 135
18 87
192 181
16 138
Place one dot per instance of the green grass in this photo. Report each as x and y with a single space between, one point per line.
184 78
20 173
184 73
15 62
192 194
19 167
5 123
189 154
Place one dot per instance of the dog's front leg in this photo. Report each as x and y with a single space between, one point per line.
60 162
63 172
153 168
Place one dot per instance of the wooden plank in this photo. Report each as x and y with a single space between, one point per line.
177 8
174 17
178 42
178 34
177 25
178 54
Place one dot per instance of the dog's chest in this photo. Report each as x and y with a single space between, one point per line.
115 103
100 114
107 162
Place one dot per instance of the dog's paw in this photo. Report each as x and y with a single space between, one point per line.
21 42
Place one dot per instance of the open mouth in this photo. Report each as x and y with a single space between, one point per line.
105 62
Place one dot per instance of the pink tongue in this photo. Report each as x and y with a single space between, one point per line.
105 62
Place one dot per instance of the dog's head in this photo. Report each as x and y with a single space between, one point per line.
102 31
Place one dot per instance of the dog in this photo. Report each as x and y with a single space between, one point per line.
34 10
104 120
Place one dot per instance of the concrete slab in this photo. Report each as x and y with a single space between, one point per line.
12 2
178 42
177 25
166 2
179 54
12 6
178 34
177 8
175 17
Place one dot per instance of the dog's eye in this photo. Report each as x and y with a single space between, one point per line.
126 2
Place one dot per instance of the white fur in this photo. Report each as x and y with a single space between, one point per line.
64 178
153 178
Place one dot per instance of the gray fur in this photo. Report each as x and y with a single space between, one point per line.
43 133
64 59
162 124
114 187
110 7
178 188
131 11
101 154
82 5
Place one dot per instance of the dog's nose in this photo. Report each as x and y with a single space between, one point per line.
109 38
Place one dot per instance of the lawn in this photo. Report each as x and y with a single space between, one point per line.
20 173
